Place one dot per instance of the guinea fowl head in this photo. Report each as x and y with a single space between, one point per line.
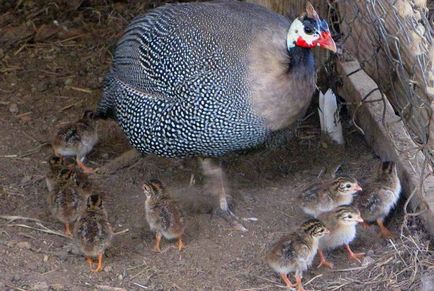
309 31
153 189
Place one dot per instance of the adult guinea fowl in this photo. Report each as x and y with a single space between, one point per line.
205 79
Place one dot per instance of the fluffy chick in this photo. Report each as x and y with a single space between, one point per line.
77 139
325 196
294 252
341 222
163 214
93 232
380 196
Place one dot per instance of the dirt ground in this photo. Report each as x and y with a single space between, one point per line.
53 59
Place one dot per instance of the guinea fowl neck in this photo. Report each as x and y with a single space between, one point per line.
301 58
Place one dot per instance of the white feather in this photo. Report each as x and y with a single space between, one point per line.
329 116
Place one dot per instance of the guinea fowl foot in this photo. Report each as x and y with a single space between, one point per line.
286 280
323 261
180 245
156 247
383 230
99 267
354 256
89 261
126 159
216 185
68 230
85 169
298 283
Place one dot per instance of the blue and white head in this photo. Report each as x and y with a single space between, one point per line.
309 31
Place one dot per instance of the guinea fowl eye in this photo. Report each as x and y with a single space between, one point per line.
347 186
308 29
350 216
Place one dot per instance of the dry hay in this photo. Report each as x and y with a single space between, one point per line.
406 263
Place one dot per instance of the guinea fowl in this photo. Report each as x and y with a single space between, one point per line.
380 196
206 79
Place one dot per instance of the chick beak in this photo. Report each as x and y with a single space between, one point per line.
326 41
360 220
358 188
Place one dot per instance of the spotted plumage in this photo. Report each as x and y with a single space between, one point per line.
207 78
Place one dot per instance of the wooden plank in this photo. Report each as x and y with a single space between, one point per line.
388 138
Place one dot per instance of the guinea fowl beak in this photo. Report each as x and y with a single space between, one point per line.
358 188
360 220
326 41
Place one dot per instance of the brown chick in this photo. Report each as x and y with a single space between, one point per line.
341 222
56 165
295 252
65 199
325 196
163 215
380 196
93 232
77 139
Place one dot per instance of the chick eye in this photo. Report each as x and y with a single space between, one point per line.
347 186
350 216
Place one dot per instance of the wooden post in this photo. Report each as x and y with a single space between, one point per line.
388 137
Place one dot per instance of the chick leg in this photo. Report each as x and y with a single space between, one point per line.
157 242
354 256
68 229
89 261
323 261
216 182
384 231
180 244
298 283
99 267
286 280
83 167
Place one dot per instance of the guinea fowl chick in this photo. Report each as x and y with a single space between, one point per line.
295 252
380 196
93 232
65 199
341 222
56 166
325 196
77 139
162 214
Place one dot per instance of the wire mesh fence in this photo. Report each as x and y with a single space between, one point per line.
392 41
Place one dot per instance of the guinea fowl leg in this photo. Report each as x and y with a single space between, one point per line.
298 283
323 261
216 182
99 267
286 280
157 242
68 229
384 231
180 244
83 166
89 261
354 256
